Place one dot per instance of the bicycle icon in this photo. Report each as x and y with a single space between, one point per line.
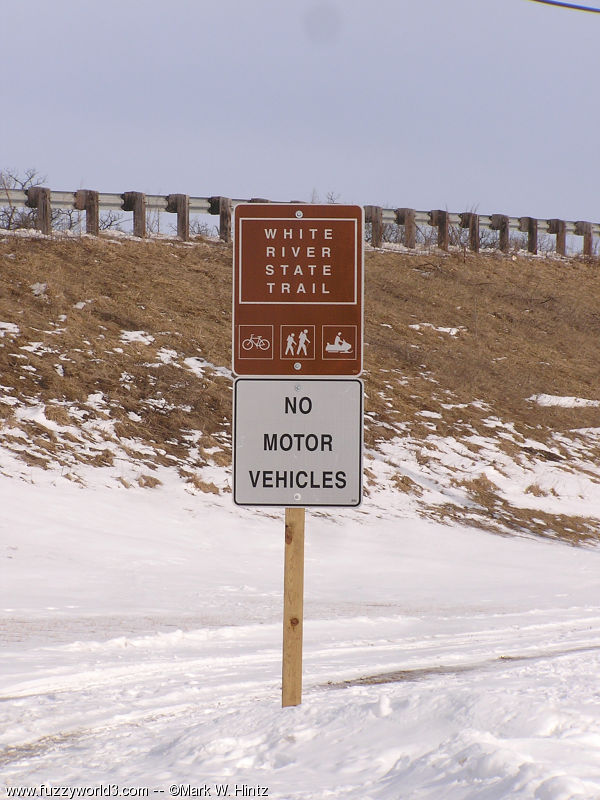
256 341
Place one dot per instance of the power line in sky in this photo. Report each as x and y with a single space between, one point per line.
567 5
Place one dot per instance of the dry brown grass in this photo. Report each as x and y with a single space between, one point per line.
96 290
525 326
501 516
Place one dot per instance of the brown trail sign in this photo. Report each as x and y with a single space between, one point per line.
297 289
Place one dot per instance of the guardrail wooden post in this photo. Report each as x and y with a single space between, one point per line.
38 197
88 200
180 204
471 221
136 202
500 222
439 219
222 207
374 215
558 227
225 219
529 225
585 229
406 217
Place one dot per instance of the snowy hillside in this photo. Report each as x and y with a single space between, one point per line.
141 611
482 399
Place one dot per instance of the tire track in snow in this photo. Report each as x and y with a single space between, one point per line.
408 675
486 643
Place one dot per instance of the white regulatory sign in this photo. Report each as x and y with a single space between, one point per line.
297 442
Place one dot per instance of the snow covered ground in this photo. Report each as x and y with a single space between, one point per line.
141 649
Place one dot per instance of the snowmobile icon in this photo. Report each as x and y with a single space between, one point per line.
339 345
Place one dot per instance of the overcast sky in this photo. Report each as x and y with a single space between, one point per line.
488 105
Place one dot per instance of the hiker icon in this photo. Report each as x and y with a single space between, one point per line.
298 341
290 345
303 340
339 345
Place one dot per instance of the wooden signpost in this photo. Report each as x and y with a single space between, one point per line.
298 280
293 605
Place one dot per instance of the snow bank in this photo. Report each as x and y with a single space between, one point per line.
142 647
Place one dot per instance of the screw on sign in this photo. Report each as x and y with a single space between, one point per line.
297 290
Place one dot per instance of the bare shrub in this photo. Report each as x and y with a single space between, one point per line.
200 227
519 242
14 217
110 220
153 220
67 219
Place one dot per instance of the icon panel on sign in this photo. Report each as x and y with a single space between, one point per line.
255 341
339 342
298 341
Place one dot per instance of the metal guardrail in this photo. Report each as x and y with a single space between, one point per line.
44 200
107 201
514 223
